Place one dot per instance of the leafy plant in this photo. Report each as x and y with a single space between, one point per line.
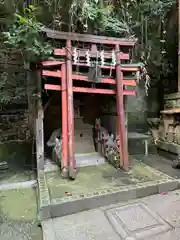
145 19
25 34
97 16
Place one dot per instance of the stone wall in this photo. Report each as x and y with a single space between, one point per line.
16 141
14 124
172 100
138 109
14 127
169 128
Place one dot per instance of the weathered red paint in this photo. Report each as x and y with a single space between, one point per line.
85 78
64 118
90 90
79 77
64 59
72 164
80 89
120 111
125 69
48 73
129 82
51 63
93 90
129 93
59 52
52 87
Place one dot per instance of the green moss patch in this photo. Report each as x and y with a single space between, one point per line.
19 204
18 215
96 178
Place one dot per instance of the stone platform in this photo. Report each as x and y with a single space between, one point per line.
151 218
96 186
82 160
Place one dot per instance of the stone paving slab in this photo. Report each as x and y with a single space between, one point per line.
172 235
88 225
168 206
152 218
110 190
49 232
137 221
78 203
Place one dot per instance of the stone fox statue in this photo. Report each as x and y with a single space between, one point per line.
55 142
56 134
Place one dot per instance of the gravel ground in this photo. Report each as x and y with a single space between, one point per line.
18 215
19 230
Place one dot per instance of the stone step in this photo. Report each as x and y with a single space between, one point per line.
89 159
3 166
79 124
82 160
50 166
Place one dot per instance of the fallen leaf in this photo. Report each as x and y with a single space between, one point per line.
164 193
68 194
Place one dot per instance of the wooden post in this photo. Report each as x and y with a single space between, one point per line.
72 164
126 119
39 128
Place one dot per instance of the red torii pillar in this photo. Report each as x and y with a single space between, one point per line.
64 161
72 163
121 129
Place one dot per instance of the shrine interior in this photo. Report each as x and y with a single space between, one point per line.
87 107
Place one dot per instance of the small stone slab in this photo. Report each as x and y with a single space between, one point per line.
43 197
48 230
136 221
169 147
138 136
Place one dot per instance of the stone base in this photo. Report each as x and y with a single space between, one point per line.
67 206
151 218
169 147
92 189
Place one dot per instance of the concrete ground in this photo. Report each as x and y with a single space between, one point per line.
152 218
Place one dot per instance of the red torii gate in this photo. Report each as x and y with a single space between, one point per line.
64 72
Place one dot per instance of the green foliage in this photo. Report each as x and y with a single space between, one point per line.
145 19
97 16
156 8
148 20
25 34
